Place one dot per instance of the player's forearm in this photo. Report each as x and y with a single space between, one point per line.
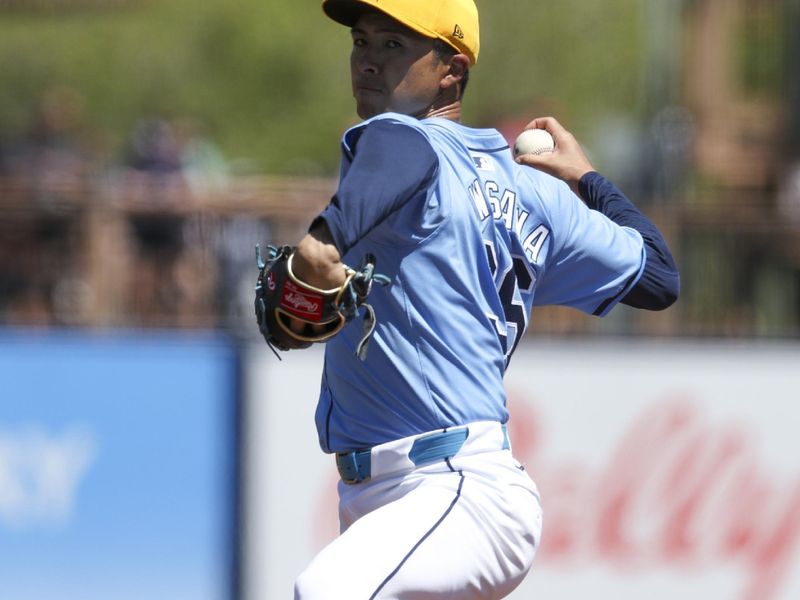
317 261
659 285
657 288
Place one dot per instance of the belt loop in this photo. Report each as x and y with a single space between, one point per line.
506 441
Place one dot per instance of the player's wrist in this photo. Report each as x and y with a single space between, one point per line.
317 263
577 182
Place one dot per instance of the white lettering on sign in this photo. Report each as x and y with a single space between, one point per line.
40 474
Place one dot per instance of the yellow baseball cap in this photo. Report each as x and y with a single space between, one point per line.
452 21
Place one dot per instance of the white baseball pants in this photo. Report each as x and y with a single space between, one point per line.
461 528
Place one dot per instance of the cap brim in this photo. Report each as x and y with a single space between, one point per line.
346 12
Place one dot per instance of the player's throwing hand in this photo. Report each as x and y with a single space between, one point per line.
567 161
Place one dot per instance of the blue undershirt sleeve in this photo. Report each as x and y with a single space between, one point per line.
392 164
659 285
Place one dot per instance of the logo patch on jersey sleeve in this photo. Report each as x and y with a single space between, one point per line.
482 162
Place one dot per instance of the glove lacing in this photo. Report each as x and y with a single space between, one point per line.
359 287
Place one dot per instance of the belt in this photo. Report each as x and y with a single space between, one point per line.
415 451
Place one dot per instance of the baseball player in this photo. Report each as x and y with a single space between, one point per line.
463 241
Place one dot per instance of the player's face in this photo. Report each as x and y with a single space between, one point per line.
393 68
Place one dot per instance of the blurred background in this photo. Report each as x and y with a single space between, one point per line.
146 147
144 144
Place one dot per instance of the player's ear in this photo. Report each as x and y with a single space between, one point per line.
457 68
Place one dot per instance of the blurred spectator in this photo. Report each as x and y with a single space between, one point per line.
51 157
154 147
204 167
235 248
32 263
47 169
154 181
174 276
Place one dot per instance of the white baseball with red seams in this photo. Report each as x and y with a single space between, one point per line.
534 141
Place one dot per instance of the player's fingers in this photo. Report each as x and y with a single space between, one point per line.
544 162
299 326
296 325
564 142
549 124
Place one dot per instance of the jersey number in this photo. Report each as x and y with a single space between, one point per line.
508 288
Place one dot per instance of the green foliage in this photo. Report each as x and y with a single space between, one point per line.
760 59
580 58
271 82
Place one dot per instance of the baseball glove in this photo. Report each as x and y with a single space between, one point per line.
292 314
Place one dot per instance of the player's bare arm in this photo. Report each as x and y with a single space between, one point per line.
317 261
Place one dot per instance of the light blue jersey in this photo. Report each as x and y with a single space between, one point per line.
468 261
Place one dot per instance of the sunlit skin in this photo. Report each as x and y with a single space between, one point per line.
394 69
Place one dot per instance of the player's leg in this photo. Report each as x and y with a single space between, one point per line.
387 521
485 546
455 534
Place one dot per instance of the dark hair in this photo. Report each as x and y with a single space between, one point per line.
445 51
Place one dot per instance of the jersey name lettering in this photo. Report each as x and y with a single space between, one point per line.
479 200
489 201
534 242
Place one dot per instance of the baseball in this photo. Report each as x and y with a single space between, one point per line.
534 141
